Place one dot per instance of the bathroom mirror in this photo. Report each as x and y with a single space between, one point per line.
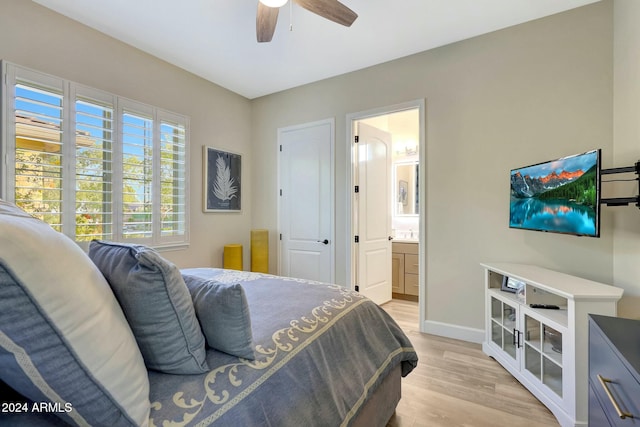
406 201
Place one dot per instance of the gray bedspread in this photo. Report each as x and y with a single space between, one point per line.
321 350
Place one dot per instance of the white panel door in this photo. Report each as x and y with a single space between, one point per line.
306 201
374 213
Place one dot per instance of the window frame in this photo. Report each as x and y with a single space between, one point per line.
71 92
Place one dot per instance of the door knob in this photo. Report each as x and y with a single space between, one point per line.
324 242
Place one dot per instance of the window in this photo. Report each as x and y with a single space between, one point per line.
137 182
93 165
93 169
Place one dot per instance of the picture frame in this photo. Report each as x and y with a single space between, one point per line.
222 186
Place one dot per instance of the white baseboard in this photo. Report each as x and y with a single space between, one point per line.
453 331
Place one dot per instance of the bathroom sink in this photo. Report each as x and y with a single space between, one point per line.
405 240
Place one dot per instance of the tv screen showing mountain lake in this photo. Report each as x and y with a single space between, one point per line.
559 196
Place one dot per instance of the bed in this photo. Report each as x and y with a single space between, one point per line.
312 354
322 352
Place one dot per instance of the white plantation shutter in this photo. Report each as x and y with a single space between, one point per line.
137 175
172 177
38 175
93 165
94 139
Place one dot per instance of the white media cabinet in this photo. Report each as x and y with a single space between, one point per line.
520 337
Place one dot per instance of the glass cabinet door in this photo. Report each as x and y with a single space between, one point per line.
532 361
552 359
543 353
503 326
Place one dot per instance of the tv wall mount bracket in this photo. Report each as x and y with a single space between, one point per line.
623 201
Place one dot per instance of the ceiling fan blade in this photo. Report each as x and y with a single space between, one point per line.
332 10
266 21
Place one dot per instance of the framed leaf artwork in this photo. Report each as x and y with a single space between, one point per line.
222 181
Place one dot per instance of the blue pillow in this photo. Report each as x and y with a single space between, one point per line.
63 337
223 312
157 305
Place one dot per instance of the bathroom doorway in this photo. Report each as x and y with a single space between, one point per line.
404 201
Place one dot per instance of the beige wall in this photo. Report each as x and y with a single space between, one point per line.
514 97
35 37
626 119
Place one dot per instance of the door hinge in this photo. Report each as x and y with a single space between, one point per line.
356 139
357 288
280 147
357 189
280 236
281 191
357 239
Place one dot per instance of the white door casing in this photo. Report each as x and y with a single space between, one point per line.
306 210
374 213
352 205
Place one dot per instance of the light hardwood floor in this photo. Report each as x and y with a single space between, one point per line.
456 384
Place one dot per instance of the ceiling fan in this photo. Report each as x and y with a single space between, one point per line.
332 10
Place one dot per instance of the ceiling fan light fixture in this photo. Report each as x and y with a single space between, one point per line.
267 16
274 3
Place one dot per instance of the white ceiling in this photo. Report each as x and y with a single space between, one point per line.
216 39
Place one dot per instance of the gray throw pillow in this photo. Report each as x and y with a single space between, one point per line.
223 312
157 305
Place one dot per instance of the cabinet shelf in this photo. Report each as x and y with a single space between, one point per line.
558 317
549 354
545 349
552 355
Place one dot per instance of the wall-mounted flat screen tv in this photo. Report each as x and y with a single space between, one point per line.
559 196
